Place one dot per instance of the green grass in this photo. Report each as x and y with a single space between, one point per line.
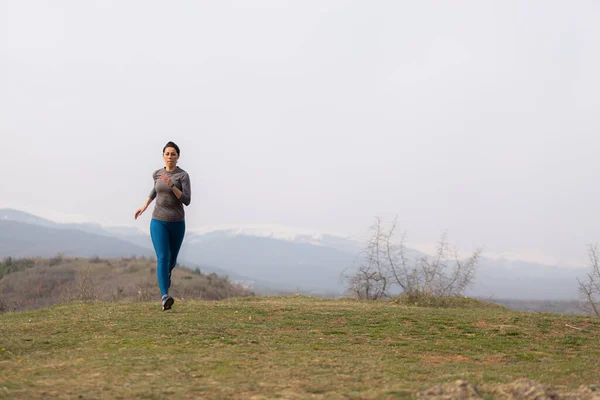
284 347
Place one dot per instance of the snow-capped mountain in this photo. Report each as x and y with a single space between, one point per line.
277 232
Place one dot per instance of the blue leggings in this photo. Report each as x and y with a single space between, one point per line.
166 238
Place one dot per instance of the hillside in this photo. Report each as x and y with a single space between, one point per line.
36 282
293 348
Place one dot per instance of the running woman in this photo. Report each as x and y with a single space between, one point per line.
172 190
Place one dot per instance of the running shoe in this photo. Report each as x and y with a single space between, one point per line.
167 302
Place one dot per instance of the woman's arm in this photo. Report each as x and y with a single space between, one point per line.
141 210
149 200
185 194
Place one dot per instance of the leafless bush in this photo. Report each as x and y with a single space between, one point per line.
590 288
118 293
147 290
133 268
10 304
86 288
367 283
386 265
57 259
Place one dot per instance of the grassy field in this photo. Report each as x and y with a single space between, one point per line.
285 347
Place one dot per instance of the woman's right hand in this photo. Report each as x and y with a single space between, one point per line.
139 212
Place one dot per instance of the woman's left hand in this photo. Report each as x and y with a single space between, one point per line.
166 179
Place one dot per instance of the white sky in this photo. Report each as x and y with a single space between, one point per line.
475 117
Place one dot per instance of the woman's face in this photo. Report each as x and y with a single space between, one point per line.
170 156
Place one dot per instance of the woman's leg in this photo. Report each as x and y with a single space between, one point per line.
177 232
160 239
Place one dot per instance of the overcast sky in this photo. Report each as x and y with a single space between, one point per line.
475 117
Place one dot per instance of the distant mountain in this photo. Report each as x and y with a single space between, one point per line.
8 214
286 264
132 235
282 233
124 231
510 279
18 239
274 260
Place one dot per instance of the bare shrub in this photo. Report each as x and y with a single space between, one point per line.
86 288
590 287
7 306
147 290
133 268
386 265
118 293
36 287
57 259
367 283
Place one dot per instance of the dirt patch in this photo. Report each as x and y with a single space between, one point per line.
521 389
448 391
488 360
434 359
492 359
524 389
562 326
482 324
286 330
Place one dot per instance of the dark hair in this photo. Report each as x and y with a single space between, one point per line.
173 145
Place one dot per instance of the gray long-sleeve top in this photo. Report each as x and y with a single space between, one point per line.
168 207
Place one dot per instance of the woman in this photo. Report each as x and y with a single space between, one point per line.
172 189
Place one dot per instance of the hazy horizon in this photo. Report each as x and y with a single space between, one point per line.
478 120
